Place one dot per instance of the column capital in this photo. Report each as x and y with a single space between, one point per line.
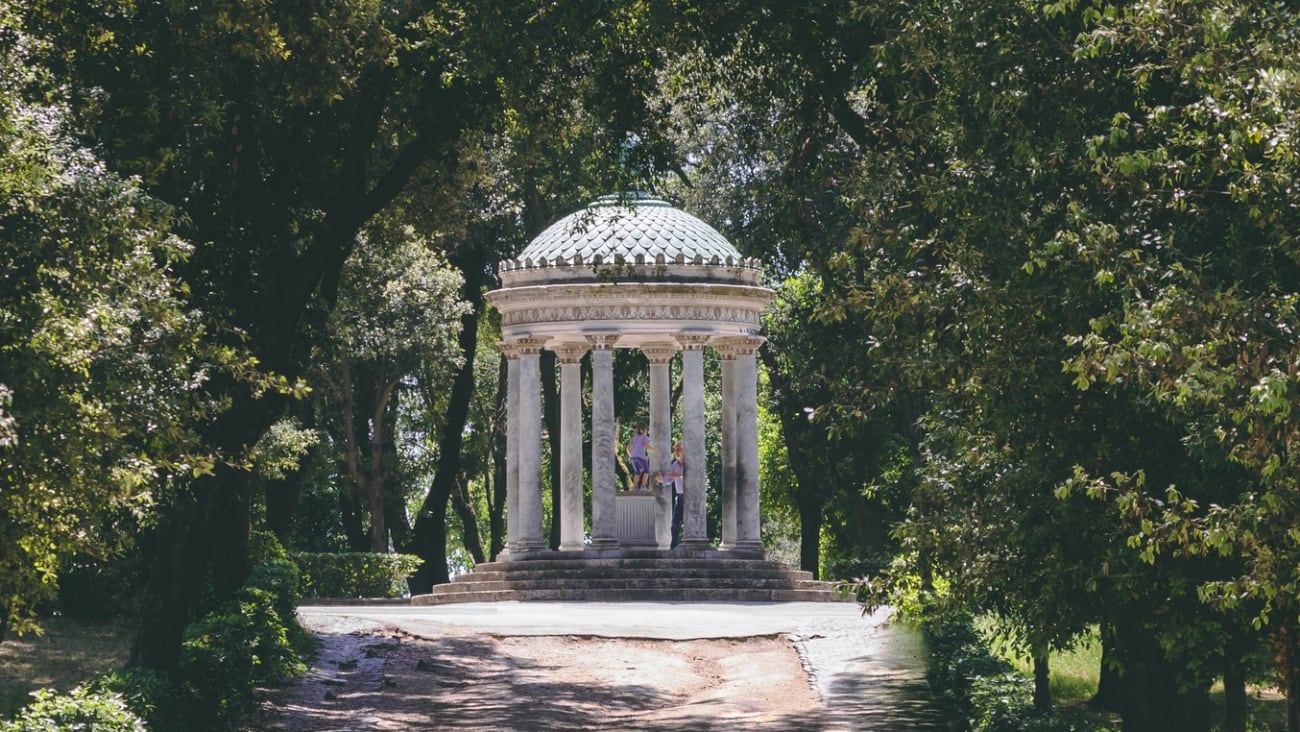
733 346
693 342
603 342
570 352
659 353
516 347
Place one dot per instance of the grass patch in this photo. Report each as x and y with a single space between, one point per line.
1074 673
69 652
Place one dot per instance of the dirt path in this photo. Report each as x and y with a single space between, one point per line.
394 681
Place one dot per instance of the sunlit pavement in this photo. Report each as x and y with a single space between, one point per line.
869 673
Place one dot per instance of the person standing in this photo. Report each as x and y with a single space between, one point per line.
638 450
675 477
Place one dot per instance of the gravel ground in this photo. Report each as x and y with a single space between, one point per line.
599 666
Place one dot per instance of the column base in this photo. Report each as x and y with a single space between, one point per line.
526 547
604 544
577 547
748 548
694 544
518 553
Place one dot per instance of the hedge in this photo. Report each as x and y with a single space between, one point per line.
354 574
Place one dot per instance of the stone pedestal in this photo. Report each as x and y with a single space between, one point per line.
635 522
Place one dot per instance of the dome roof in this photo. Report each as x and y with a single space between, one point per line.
631 227
635 271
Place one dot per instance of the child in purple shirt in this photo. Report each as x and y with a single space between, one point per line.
637 449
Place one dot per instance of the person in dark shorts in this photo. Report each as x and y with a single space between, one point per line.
638 449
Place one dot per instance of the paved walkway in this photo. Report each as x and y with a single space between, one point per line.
869 673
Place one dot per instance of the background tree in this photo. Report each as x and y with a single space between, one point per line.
1203 264
103 360
971 187
279 132
394 329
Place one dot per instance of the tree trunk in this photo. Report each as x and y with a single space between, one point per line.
430 533
1155 702
282 496
376 475
350 501
1236 702
230 527
469 522
873 524
350 513
205 535
808 494
378 534
175 581
1042 683
1110 684
399 526
395 518
810 535
1287 645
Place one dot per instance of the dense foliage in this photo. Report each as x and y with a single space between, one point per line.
983 689
1035 340
102 358
79 709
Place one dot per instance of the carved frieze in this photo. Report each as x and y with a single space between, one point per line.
630 312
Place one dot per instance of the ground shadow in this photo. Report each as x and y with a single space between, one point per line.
459 683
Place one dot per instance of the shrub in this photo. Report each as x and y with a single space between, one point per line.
231 650
149 694
958 657
79 709
355 574
283 580
263 546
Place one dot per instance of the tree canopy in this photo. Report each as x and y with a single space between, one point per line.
1036 263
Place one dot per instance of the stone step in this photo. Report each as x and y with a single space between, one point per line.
562 562
632 583
598 573
631 595
645 575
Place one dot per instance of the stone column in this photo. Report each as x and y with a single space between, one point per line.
728 489
694 526
660 356
572 517
528 536
511 353
748 538
603 442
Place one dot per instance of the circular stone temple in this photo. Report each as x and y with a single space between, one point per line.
631 271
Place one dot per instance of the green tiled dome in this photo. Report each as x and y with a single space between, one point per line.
631 226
